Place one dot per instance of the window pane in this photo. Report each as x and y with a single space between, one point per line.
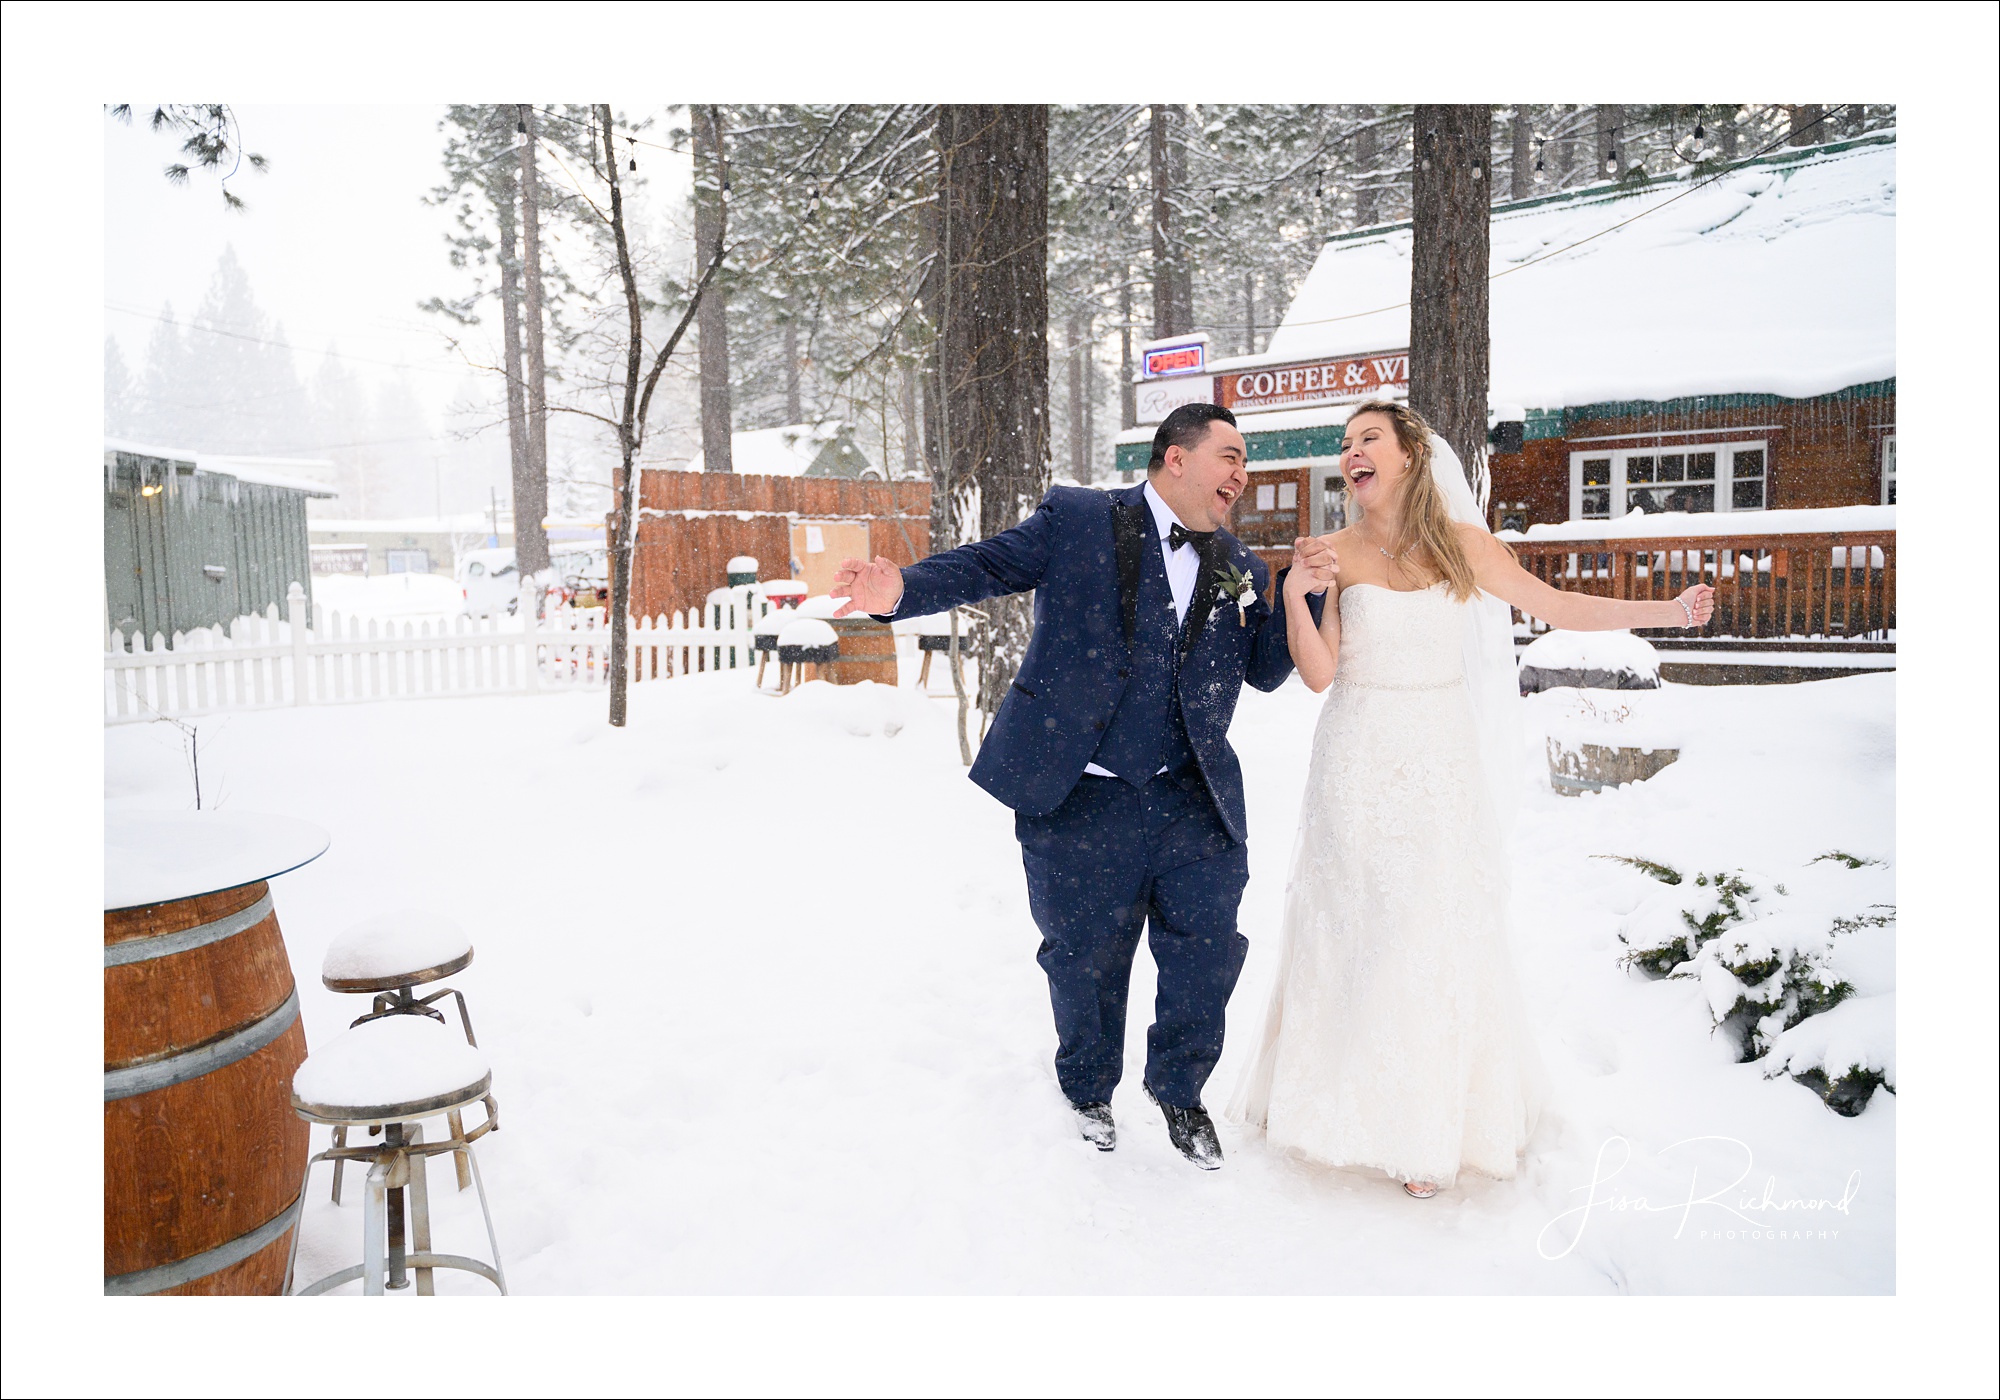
1695 498
1673 468
1750 464
1638 468
1747 495
1288 495
1701 466
1267 497
1597 471
1597 504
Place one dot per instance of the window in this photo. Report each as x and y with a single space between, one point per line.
1889 470
1267 498
409 561
1288 495
1696 479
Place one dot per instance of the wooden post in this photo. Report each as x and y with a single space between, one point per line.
295 612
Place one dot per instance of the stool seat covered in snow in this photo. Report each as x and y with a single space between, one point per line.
399 949
390 1070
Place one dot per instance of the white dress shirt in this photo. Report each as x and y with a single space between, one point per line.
1183 568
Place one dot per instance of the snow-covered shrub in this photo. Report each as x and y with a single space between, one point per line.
1769 964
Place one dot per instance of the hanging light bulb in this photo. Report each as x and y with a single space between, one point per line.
1478 168
1540 176
1319 185
631 153
1611 157
1110 204
812 205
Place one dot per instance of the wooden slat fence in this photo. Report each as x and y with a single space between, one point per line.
1827 585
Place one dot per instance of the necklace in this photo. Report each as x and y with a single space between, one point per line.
1392 558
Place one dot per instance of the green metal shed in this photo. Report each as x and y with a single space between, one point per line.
189 545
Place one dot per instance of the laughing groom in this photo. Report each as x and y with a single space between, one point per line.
1112 748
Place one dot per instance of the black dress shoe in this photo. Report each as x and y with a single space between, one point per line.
1093 1120
1192 1133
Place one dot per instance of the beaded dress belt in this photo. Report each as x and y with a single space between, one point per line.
1381 685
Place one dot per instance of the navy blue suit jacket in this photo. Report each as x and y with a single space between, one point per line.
1078 551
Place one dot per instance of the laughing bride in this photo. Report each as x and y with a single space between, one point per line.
1395 1037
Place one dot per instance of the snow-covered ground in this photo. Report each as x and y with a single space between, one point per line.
417 597
757 979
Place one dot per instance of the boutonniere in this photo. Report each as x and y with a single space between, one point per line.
1239 588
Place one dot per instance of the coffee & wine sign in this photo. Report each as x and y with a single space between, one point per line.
1321 381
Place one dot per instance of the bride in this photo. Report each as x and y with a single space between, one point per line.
1395 1037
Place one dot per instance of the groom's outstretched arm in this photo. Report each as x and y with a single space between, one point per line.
1013 561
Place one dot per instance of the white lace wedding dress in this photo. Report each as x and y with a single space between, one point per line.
1395 1037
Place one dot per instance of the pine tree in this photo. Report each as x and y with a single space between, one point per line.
1449 343
120 391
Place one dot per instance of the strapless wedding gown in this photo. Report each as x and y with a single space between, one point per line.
1395 1037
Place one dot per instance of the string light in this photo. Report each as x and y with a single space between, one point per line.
631 153
1478 168
1611 158
1541 176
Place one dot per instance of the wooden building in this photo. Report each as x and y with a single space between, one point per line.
1698 344
188 543
691 524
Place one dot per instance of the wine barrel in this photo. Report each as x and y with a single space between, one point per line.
867 652
203 1156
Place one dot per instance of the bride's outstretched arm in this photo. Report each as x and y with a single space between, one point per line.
1499 574
1315 648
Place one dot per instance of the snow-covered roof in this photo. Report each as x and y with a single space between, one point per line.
785 451
1777 278
308 474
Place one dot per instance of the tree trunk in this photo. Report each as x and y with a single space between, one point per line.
1448 288
1366 150
1521 182
1249 313
1610 141
1128 392
1090 392
993 338
1173 281
531 488
1079 450
794 408
1808 128
712 325
507 214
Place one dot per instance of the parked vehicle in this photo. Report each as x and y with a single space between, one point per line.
488 582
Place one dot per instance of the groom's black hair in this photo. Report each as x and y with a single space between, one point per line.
1185 427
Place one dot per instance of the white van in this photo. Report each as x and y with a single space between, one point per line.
488 582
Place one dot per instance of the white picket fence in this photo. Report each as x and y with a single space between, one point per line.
265 662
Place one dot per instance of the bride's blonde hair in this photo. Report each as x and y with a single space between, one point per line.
1427 532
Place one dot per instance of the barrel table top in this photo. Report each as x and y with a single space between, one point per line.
154 857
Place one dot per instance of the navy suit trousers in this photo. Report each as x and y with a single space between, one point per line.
1113 859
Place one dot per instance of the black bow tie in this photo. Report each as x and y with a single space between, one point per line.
1179 534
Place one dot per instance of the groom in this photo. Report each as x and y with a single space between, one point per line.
1112 748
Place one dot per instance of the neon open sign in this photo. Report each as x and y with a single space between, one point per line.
1176 359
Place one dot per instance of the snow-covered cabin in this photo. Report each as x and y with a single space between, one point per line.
192 539
798 449
1697 343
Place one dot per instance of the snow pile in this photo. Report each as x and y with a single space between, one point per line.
1757 250
930 625
822 605
807 632
1594 660
395 944
1680 524
741 564
389 595
394 1060
1629 719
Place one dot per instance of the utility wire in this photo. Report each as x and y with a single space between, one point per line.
277 344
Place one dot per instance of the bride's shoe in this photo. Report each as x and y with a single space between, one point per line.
1421 1190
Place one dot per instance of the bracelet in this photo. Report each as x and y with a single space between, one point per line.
1686 609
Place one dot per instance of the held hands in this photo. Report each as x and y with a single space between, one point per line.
1315 564
870 588
1697 605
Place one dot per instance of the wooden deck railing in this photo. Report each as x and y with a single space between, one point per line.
1828 585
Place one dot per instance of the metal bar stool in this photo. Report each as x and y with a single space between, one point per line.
391 955
391 1073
